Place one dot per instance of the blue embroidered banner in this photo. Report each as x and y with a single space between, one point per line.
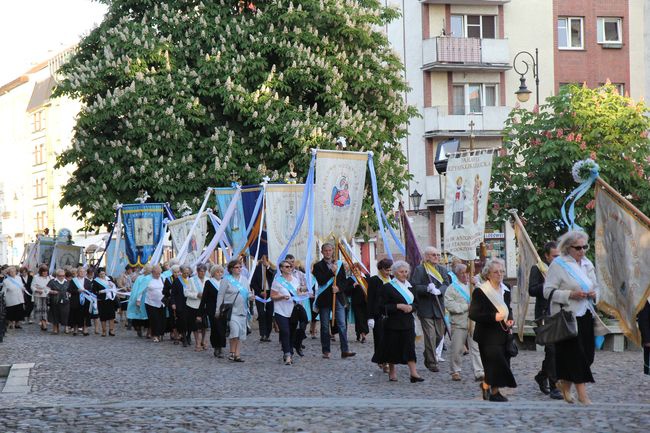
143 225
236 229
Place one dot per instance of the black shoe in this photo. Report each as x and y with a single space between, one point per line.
542 382
300 352
555 394
485 392
139 331
217 352
497 397
416 379
347 354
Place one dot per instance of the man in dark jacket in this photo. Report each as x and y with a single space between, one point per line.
331 280
546 376
430 281
261 284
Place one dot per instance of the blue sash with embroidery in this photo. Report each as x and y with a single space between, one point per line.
408 297
324 287
459 288
292 290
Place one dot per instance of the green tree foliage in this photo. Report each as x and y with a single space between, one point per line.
533 171
180 95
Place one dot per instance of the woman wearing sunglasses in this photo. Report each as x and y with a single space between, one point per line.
572 279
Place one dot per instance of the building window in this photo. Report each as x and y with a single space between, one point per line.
610 31
473 26
471 98
39 188
40 218
39 154
570 33
38 121
620 87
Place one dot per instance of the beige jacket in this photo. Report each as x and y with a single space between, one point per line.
457 307
558 278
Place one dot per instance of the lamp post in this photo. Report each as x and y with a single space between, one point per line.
416 198
523 94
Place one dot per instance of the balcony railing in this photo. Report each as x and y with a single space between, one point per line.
451 53
485 118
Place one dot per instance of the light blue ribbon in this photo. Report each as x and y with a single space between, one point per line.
459 288
583 284
401 291
324 287
569 218
294 294
381 216
243 291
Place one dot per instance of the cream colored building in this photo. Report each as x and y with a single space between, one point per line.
34 129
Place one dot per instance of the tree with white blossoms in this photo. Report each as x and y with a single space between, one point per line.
181 95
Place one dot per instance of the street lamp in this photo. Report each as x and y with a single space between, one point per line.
523 94
416 198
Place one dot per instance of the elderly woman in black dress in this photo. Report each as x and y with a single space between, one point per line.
490 309
399 303
375 288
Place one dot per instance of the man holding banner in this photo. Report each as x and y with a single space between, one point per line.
430 281
330 275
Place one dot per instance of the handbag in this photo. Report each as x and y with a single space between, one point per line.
225 314
558 327
512 349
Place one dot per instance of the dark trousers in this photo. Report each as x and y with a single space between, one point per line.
28 305
360 319
265 318
286 331
646 360
298 322
548 366
156 320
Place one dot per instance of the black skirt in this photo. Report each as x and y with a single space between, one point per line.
191 315
377 338
398 346
15 313
77 319
496 365
106 310
573 357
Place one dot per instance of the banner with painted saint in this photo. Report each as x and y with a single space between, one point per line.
338 193
179 230
466 196
622 244
67 256
143 225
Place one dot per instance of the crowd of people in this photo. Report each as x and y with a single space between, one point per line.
211 307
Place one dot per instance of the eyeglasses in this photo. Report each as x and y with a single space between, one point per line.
286 266
435 254
580 247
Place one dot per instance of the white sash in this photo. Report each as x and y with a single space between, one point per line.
495 298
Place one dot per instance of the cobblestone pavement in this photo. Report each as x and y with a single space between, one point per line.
123 383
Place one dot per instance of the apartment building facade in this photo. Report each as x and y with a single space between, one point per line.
34 129
459 60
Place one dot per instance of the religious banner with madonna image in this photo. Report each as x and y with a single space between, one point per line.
466 196
143 225
338 193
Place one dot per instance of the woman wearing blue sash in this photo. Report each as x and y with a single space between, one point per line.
284 291
13 290
106 291
234 292
136 311
59 299
154 304
572 279
79 303
399 303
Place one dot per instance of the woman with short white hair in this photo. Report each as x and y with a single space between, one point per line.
40 291
399 303
12 288
571 284
490 309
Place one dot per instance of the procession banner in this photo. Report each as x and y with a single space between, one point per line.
142 230
116 269
45 250
249 199
466 196
67 255
236 228
526 258
622 260
338 194
180 229
282 206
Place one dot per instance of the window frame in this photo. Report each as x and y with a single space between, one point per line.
466 104
600 30
465 24
567 21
